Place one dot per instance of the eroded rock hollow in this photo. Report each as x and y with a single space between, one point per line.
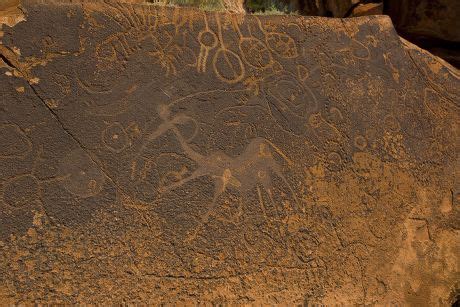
156 154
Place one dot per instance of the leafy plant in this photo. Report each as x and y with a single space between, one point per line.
270 7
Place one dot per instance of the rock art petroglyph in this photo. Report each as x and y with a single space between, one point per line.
156 154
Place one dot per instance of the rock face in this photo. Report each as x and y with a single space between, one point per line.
151 154
10 14
367 9
434 18
431 24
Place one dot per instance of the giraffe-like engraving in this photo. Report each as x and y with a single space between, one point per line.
253 168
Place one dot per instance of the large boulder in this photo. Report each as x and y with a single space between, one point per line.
432 18
431 24
154 154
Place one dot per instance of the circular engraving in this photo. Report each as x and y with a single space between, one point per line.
360 142
255 53
282 44
228 66
115 138
83 177
208 39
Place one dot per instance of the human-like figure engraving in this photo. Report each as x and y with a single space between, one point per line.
208 41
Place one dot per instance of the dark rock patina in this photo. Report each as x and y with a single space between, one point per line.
153 154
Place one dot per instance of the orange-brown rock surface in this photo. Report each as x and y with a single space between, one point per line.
162 155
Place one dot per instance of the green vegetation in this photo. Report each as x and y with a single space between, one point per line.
208 5
266 7
270 7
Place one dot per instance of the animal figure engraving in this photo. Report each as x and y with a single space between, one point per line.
251 169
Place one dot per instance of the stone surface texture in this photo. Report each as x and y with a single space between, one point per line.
431 24
152 154
367 9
